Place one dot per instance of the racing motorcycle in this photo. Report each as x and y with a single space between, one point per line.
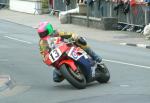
75 65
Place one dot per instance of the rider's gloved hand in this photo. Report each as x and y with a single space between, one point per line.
70 39
81 40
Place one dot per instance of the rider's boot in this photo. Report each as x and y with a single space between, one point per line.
57 77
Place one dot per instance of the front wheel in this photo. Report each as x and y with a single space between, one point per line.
77 79
104 74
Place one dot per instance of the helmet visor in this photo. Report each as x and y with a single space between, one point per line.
43 34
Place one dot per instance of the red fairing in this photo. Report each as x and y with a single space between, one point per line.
70 63
46 59
63 48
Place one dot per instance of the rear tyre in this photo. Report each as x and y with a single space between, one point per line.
104 74
77 79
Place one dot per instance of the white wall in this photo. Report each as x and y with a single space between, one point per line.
30 6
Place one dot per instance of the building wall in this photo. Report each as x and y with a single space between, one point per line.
27 6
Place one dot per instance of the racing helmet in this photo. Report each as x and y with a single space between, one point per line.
45 29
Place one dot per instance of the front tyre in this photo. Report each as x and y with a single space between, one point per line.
104 73
77 79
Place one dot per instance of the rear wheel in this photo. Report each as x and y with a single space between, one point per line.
104 74
76 78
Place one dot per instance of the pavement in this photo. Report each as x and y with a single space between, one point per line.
30 20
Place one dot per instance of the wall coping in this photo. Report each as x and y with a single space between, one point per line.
85 17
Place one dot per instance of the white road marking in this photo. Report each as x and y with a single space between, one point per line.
113 61
119 62
124 85
18 39
3 60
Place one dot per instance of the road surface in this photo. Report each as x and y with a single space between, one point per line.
20 58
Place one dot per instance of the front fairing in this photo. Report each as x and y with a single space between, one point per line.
82 59
57 52
85 65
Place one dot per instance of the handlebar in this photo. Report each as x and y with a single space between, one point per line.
67 42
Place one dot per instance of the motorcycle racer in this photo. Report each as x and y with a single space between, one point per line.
46 31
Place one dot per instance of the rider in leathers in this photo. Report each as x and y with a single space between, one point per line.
46 31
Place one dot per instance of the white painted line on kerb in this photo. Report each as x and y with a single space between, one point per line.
18 39
141 45
119 62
